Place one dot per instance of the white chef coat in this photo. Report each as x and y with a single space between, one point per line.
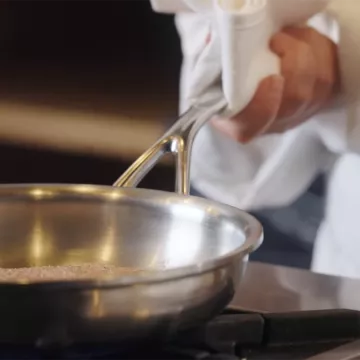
276 169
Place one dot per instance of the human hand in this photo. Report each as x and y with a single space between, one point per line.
308 82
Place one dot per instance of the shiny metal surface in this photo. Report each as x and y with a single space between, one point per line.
268 288
195 252
349 351
178 140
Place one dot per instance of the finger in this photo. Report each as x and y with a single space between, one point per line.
258 115
298 67
327 66
280 127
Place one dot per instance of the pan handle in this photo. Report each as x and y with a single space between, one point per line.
177 141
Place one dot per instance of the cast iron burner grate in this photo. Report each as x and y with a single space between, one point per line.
231 336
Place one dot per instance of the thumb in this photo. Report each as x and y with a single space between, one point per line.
258 115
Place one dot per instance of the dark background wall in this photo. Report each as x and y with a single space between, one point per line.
107 45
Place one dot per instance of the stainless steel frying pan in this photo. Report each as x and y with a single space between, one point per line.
194 252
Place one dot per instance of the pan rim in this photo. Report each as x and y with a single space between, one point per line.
253 235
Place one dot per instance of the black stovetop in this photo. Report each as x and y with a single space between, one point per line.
233 335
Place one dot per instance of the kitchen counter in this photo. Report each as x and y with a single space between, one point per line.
268 288
68 110
77 131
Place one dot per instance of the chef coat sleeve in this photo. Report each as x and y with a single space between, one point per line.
271 171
